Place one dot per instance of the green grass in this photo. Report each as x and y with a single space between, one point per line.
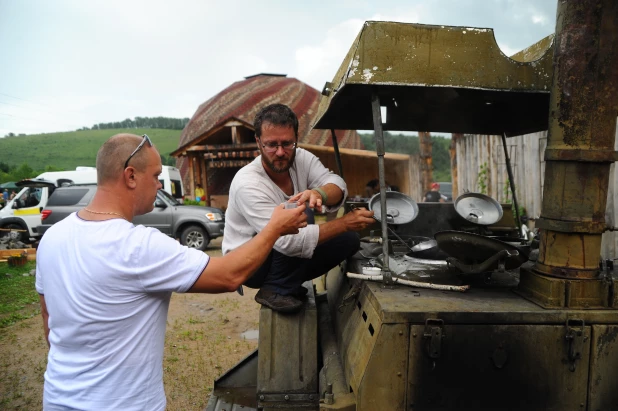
68 150
18 297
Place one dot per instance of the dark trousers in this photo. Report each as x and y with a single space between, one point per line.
284 275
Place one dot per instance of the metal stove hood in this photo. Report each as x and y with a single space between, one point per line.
439 78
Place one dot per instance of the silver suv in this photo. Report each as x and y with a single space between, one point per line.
194 226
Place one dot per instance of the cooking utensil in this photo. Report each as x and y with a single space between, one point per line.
474 249
400 209
425 245
478 208
389 229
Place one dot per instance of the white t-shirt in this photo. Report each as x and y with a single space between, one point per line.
107 287
253 197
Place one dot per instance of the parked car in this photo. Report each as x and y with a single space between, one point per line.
194 226
446 191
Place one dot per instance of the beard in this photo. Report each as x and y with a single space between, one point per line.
278 164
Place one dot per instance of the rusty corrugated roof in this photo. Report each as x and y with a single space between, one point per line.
244 98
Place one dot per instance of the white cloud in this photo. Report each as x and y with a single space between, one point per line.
539 19
317 63
508 51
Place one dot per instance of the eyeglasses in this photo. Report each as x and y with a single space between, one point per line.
146 139
272 147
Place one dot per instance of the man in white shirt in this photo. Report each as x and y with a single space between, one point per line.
285 173
105 285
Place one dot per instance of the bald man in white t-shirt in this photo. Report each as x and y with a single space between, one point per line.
105 285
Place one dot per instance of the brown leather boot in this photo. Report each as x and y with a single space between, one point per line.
278 302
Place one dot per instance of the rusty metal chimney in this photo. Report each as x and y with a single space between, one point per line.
580 150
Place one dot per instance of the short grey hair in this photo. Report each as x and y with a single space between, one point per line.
113 154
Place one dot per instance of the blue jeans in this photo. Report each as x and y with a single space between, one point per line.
284 275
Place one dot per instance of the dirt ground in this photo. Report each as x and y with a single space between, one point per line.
203 340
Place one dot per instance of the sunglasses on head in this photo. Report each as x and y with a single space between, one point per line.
146 139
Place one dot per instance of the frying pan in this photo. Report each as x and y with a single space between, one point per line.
400 209
474 249
478 208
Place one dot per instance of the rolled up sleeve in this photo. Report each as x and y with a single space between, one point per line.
319 176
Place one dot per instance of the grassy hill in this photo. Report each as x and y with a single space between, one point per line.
68 150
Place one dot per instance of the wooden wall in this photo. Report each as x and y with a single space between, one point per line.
527 155
360 166
527 161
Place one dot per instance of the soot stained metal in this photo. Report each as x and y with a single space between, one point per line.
439 78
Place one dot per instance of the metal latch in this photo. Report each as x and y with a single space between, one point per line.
575 340
433 335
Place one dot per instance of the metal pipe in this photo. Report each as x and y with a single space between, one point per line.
379 140
337 154
418 284
511 183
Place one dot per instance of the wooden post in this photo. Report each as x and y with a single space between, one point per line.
190 157
453 152
234 136
426 160
204 178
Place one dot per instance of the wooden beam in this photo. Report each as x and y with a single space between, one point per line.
223 147
228 163
234 136
426 159
204 179
190 159
453 152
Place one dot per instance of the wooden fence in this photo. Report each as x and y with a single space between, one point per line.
481 167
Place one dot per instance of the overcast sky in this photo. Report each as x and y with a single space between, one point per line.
65 64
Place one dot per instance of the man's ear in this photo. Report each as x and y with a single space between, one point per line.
129 177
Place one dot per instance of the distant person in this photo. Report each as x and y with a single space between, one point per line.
13 194
372 188
199 193
5 195
284 173
105 285
433 195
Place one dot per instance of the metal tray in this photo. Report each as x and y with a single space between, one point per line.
478 208
400 209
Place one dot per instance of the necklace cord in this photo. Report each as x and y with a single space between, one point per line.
105 213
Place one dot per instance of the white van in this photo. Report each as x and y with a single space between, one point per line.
172 182
24 211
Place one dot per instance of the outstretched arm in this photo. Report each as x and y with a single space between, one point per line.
223 274
355 220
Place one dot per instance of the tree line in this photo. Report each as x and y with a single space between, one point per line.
17 173
23 171
167 123
406 144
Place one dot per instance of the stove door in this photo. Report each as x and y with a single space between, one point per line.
496 367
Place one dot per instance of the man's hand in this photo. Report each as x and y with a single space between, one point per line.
313 197
358 219
288 221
